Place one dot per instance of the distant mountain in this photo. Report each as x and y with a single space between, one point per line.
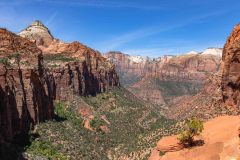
161 79
37 32
213 51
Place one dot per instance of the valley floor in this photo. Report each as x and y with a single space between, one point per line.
111 125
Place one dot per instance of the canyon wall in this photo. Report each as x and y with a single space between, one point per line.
26 91
160 80
32 78
231 73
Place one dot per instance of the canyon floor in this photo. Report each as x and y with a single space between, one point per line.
112 125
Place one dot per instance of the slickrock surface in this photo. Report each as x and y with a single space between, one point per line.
231 73
221 142
169 144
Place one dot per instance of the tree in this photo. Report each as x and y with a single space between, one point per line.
192 128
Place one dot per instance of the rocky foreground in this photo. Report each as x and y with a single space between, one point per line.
219 96
220 142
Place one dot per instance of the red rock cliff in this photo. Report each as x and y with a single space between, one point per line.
75 67
26 96
159 80
186 67
231 72
30 80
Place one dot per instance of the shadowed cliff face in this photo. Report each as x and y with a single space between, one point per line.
30 81
231 74
26 97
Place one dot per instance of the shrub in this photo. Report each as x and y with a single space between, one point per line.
96 123
5 61
161 153
60 109
192 128
45 149
58 57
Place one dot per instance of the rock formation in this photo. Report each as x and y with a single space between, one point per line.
26 89
206 104
220 136
187 67
76 68
30 81
38 33
160 80
231 73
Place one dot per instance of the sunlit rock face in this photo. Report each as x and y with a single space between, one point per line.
31 78
76 68
160 80
37 32
231 72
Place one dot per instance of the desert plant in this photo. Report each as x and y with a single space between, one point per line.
96 122
192 128
45 149
5 61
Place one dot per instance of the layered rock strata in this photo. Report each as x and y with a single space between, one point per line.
31 78
231 73
26 89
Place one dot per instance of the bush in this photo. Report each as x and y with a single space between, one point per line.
5 61
58 57
96 123
192 128
45 149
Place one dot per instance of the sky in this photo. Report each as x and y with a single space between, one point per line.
137 27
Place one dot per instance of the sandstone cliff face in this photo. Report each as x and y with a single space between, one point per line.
160 80
187 67
231 74
75 67
30 81
204 105
38 33
26 93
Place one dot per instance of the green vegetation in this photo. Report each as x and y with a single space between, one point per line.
161 153
45 149
96 122
192 128
16 55
5 61
176 88
128 79
134 127
58 57
62 111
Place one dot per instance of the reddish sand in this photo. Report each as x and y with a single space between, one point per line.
221 142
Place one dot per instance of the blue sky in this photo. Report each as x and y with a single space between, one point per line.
137 27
